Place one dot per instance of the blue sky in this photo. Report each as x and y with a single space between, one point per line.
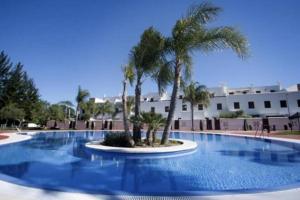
66 43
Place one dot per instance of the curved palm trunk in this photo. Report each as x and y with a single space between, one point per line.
137 135
124 101
176 85
125 116
192 115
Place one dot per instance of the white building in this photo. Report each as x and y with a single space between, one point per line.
265 101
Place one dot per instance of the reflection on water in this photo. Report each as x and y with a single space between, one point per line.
59 160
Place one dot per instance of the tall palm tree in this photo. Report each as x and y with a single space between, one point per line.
196 94
81 97
128 76
103 109
144 58
191 34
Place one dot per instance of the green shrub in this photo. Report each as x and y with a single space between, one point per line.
117 139
234 114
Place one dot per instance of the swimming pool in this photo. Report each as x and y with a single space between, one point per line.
221 164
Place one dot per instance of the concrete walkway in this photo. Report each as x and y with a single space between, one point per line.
9 191
14 137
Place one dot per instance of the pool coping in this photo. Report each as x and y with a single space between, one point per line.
15 191
187 145
14 137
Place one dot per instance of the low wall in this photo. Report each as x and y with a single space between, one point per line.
276 123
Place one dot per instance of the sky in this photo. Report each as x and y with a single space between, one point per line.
66 43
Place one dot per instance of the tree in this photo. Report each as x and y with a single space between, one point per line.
12 112
81 97
103 109
144 58
89 110
16 87
128 76
191 34
19 89
154 121
56 112
130 104
30 96
5 66
68 108
40 113
196 94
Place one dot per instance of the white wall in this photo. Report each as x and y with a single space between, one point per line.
228 105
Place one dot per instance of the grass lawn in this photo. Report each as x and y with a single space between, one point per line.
294 132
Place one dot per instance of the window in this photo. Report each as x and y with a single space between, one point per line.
231 93
180 96
236 105
267 104
184 107
151 100
258 91
244 92
145 99
200 106
153 109
167 108
219 106
272 91
251 105
298 102
283 104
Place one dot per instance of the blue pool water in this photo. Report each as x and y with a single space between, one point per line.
221 164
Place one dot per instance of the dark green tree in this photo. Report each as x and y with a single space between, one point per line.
56 112
11 112
5 66
40 113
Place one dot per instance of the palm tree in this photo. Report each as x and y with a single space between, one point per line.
191 34
158 121
81 97
196 94
154 121
144 58
128 76
130 104
103 109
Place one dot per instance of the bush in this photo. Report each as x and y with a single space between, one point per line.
234 114
117 139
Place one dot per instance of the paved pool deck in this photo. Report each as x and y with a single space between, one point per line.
10 191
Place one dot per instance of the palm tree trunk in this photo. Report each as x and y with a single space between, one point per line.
102 125
125 116
124 101
192 115
76 116
153 137
148 136
137 135
176 85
